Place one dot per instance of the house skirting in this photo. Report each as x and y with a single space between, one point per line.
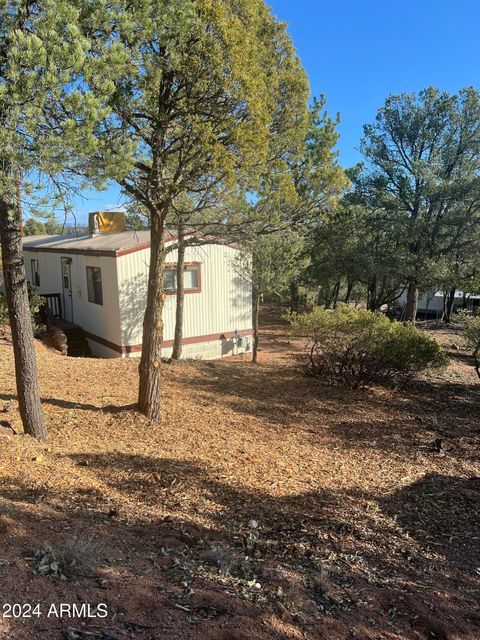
208 347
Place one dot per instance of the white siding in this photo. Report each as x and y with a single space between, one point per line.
100 320
132 272
223 305
431 304
432 301
210 350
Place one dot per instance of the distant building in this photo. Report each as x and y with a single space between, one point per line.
431 305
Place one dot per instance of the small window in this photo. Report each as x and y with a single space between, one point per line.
35 273
191 278
66 273
169 279
94 285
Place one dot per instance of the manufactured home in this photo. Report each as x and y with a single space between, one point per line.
98 283
431 305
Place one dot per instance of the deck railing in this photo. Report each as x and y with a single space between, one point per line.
53 304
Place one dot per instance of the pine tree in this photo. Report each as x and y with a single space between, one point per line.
213 94
46 126
423 163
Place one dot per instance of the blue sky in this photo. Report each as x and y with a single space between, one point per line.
357 52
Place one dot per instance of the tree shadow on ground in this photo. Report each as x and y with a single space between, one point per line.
423 541
411 438
463 358
246 389
443 513
82 406
140 570
414 416
305 529
154 480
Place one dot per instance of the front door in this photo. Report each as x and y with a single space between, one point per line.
67 289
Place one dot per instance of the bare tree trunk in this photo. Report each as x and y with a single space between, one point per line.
149 402
412 302
329 297
450 301
294 296
372 294
476 358
349 291
336 291
20 322
177 340
256 307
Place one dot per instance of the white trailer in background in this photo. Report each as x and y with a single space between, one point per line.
431 304
99 283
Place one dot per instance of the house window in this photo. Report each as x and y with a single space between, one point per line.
66 273
35 273
94 285
169 279
191 278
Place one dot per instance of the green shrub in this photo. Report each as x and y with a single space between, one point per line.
360 347
472 339
36 302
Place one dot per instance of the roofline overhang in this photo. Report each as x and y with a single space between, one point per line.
114 253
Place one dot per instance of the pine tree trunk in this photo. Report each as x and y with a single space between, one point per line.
149 402
476 358
20 322
372 300
294 296
412 302
177 340
450 301
349 292
336 292
256 307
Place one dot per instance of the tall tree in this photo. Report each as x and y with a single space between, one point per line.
459 271
20 321
315 181
180 292
336 261
317 175
423 161
46 125
213 93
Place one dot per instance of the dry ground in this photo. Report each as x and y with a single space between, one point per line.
264 506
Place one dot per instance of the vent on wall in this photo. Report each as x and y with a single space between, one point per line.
106 222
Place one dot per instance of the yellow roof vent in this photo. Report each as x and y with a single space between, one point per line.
106 222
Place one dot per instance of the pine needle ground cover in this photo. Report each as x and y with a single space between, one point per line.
265 505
